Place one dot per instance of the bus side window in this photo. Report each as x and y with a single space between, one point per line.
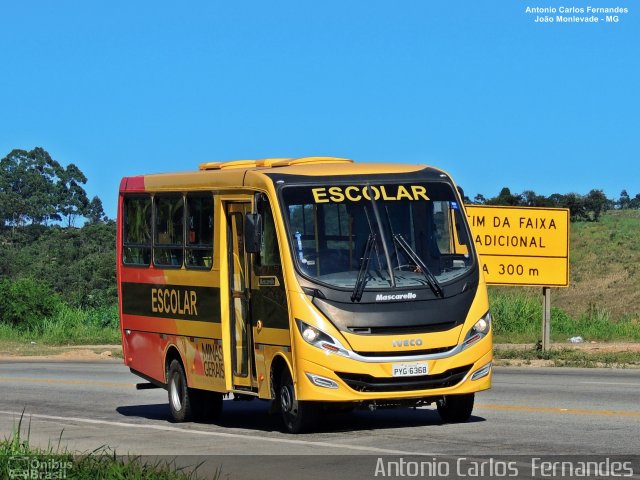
199 241
168 241
269 252
136 244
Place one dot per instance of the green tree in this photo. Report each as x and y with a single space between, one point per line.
35 188
624 201
529 198
505 198
25 302
27 189
588 207
595 203
575 203
479 199
95 212
77 263
72 199
556 200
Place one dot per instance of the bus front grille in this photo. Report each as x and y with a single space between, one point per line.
404 353
367 383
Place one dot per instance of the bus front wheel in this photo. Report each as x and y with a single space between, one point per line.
456 408
180 401
297 416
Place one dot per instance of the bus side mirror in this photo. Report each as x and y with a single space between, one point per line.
461 232
252 232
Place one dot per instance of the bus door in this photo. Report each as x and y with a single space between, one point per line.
243 371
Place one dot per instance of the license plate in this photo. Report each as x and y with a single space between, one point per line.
408 369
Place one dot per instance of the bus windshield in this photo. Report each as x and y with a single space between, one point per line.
378 236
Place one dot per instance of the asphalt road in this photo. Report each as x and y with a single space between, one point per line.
543 411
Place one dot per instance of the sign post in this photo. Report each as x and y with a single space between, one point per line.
546 319
523 246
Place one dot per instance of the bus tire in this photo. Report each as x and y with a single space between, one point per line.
180 395
456 408
297 416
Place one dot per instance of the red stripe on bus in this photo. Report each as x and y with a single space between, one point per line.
132 184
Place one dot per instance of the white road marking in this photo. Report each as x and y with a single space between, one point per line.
167 428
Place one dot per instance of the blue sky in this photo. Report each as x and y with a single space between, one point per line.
474 87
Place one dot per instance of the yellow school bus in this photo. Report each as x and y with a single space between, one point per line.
312 282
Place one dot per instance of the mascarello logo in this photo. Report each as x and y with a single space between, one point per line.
400 296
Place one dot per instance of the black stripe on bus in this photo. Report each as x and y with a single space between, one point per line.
176 302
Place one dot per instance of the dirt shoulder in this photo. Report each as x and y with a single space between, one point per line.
591 354
34 351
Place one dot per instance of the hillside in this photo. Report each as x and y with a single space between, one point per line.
604 267
604 285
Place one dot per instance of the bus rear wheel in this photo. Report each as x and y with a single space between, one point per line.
297 416
180 395
456 408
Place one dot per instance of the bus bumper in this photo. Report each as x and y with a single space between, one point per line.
344 380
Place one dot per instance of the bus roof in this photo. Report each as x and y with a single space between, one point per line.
240 172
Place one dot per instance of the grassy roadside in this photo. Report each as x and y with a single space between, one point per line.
67 326
505 355
71 333
517 318
19 459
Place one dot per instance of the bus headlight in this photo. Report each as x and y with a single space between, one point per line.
482 325
478 331
318 338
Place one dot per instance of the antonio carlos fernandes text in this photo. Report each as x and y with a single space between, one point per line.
494 468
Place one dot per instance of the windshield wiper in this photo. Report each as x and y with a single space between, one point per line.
361 280
431 279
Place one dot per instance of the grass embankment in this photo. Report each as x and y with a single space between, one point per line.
18 459
517 318
605 268
67 326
